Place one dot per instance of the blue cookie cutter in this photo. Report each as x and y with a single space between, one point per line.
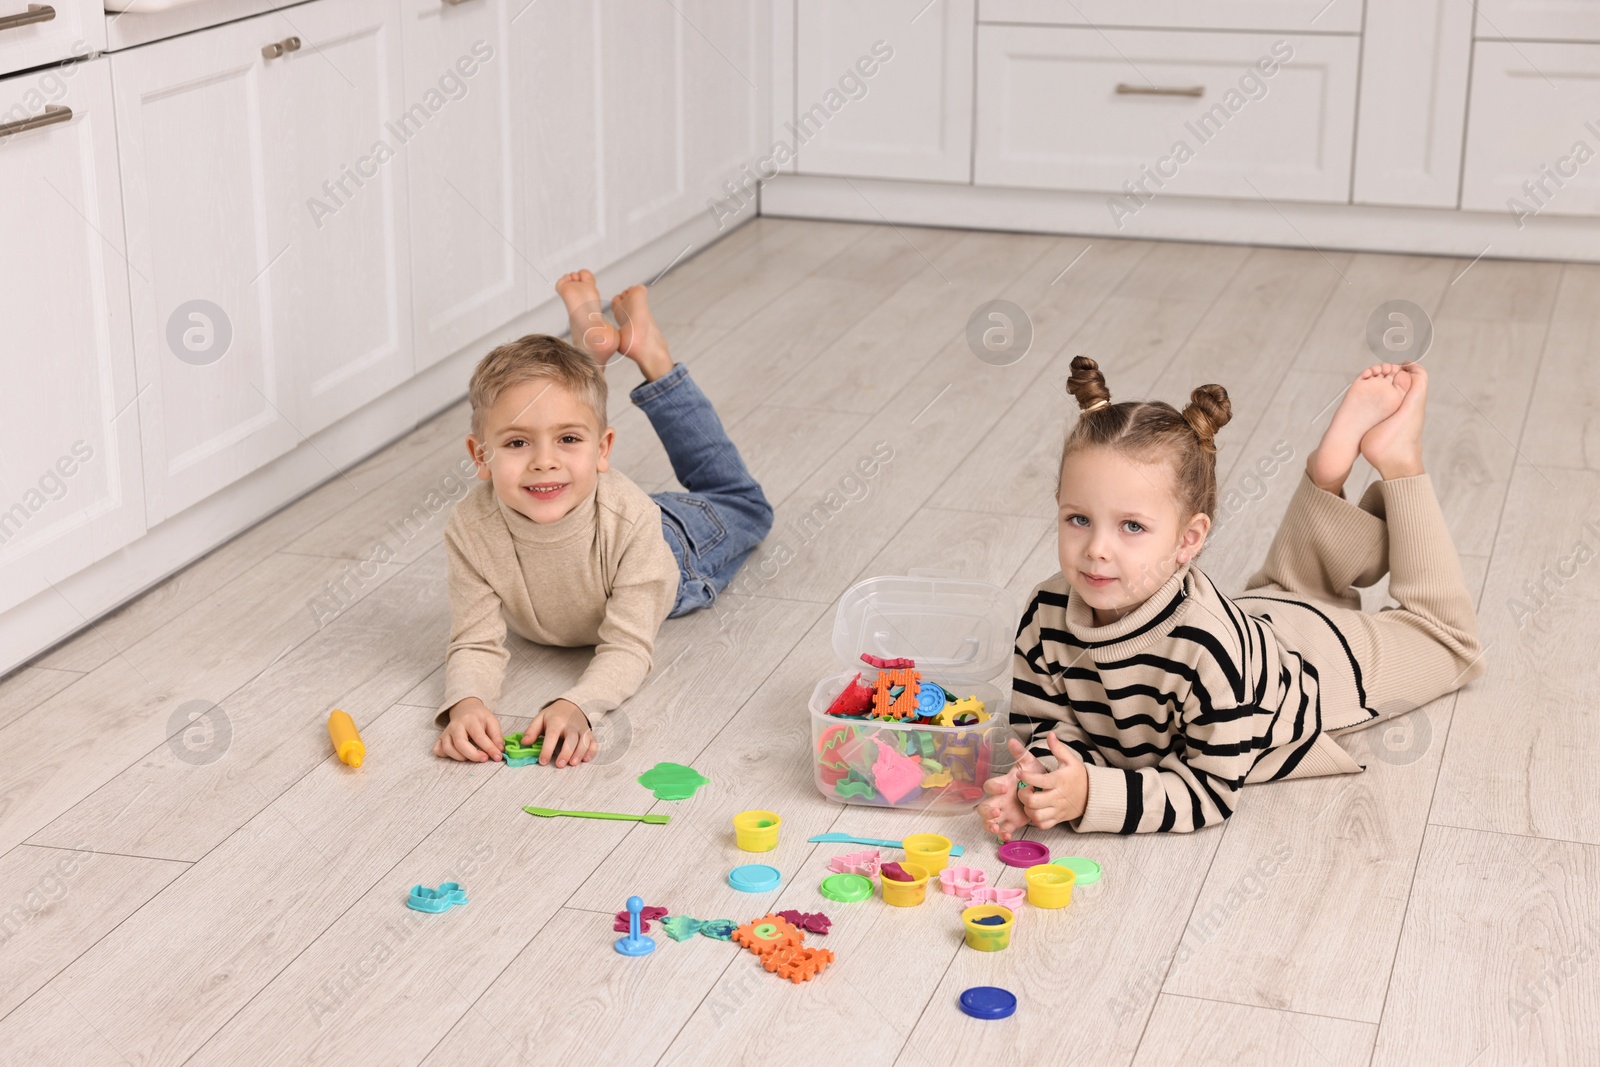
436 900
930 701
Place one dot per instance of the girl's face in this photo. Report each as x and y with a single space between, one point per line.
1121 531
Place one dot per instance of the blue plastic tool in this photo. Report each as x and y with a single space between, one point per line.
754 878
930 701
444 898
988 1002
635 944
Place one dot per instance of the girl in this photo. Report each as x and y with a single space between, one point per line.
1146 698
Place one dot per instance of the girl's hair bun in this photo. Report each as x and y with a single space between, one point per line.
1207 412
1088 386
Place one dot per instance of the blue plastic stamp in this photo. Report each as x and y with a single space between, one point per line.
635 944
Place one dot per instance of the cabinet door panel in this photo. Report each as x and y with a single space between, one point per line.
216 392
73 29
336 204
912 116
468 272
1533 129
70 487
1555 20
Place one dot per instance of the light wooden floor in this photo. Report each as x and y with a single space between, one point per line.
1443 907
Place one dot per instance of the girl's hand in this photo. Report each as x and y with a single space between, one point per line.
1001 811
473 734
1054 796
566 729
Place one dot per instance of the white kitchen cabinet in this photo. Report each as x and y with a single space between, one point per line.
684 109
1413 103
589 131
1533 137
70 486
470 240
1146 113
1305 16
267 241
36 32
883 89
1559 20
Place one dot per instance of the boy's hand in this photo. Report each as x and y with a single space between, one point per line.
1002 810
473 734
1055 796
565 727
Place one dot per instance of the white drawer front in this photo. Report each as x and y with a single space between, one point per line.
1304 16
56 30
1533 135
1270 115
1568 20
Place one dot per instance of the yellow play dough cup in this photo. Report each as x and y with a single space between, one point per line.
929 851
987 938
906 894
756 831
1050 886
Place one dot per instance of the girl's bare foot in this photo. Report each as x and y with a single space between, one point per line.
591 332
640 339
1394 446
1371 398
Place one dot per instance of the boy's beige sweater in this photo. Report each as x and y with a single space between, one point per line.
601 575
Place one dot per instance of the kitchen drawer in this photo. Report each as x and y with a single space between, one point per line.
1533 135
1560 20
63 29
1097 110
1303 16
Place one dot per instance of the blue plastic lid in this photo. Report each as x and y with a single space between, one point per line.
754 878
988 1002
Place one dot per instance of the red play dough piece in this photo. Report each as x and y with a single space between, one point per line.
895 871
887 664
645 915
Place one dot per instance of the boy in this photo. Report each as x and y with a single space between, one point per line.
567 551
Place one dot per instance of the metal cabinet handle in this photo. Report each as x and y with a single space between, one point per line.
278 48
52 114
1124 89
35 13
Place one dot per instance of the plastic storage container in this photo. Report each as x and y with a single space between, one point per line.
960 633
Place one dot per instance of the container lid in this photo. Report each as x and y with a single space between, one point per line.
988 1002
952 627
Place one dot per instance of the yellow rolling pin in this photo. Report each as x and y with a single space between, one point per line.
346 741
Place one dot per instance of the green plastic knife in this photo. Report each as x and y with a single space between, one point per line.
550 812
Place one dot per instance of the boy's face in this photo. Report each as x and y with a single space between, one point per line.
543 449
1121 533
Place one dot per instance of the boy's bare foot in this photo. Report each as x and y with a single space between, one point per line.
591 332
641 339
1394 446
1371 398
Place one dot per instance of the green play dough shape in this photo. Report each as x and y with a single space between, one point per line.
672 781
721 929
681 927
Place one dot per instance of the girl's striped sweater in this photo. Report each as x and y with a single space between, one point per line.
1179 703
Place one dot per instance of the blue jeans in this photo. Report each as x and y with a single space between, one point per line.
713 527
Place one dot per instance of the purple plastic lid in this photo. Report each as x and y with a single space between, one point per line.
1024 853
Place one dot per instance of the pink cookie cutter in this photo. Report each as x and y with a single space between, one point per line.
1006 898
864 863
895 775
962 881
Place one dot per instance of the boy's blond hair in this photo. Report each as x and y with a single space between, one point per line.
529 359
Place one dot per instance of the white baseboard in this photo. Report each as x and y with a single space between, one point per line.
38 624
1352 227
